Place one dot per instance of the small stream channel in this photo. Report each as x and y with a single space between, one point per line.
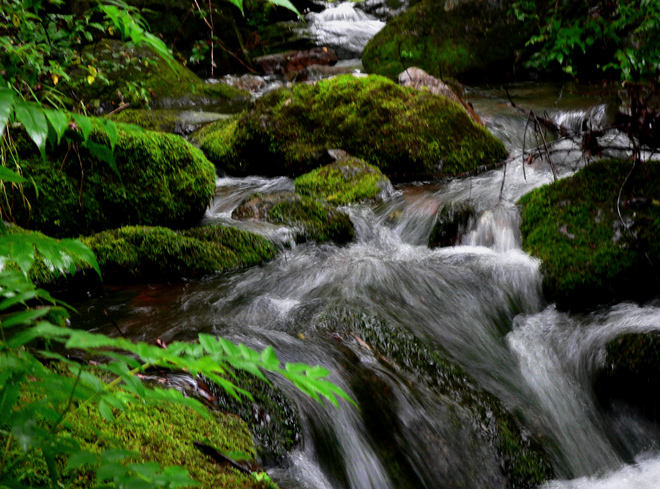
479 301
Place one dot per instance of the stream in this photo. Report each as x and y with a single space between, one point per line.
480 301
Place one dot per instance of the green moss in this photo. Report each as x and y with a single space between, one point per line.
346 181
524 462
161 433
135 74
152 120
587 256
271 417
166 182
472 41
311 220
402 131
631 372
151 253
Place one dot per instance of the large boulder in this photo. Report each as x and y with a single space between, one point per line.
294 61
175 121
162 180
310 219
346 181
589 256
471 40
406 133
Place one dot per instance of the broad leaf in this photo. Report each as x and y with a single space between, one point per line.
7 97
59 121
34 121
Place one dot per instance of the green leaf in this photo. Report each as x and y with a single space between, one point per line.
6 175
106 411
282 3
9 395
111 130
85 124
7 96
82 458
59 121
34 121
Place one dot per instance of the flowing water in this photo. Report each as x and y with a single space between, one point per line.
480 301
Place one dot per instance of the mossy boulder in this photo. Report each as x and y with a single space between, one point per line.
588 256
451 222
139 76
631 373
172 121
163 434
500 452
406 133
346 181
471 40
310 219
165 181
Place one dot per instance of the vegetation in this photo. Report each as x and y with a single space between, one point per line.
467 40
589 255
346 181
404 132
157 179
310 219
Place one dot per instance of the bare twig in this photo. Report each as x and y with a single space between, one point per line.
119 109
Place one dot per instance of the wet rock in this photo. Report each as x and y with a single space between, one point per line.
631 373
310 219
418 78
451 223
588 257
407 133
163 181
249 83
470 40
294 61
474 440
348 180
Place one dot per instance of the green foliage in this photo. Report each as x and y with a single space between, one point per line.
402 131
346 181
310 219
587 256
620 35
472 41
165 181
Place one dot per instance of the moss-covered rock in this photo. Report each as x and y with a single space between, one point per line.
631 372
402 131
172 121
310 219
588 256
163 434
450 223
153 253
346 181
143 253
482 421
272 418
469 40
165 181
141 77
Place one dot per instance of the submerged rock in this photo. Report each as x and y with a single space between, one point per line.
451 223
470 40
589 257
165 181
471 439
406 133
294 61
631 373
348 180
310 219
